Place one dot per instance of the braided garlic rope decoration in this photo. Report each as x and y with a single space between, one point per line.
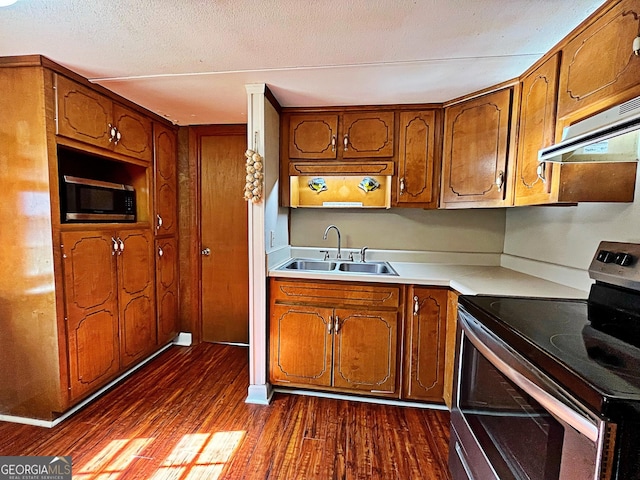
253 187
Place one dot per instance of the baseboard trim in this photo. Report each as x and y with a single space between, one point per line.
52 423
356 398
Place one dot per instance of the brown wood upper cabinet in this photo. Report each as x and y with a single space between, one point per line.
109 304
418 160
165 179
475 162
425 342
537 130
349 135
599 68
332 335
87 116
545 183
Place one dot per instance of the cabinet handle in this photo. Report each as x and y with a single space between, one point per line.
115 246
206 251
160 251
542 166
337 325
159 222
118 136
402 186
112 133
121 245
500 180
345 142
330 325
333 143
416 305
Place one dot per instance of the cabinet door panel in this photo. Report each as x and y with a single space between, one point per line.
83 114
475 148
537 130
166 180
91 309
425 344
167 288
369 135
313 136
93 351
416 161
135 131
365 350
588 75
300 345
136 284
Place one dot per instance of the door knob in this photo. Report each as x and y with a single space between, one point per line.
206 252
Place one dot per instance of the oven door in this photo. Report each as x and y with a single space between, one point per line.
510 421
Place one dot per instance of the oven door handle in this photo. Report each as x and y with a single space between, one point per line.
554 406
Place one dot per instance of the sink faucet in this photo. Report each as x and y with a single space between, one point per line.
324 237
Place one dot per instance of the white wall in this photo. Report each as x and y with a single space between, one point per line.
475 230
569 236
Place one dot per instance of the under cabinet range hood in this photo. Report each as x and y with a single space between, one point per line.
610 136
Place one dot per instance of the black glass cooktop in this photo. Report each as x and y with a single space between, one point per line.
556 335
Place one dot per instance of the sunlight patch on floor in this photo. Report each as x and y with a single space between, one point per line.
200 456
197 456
112 459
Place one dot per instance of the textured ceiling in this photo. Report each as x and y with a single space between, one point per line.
190 59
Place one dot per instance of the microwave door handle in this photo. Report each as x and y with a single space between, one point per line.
549 402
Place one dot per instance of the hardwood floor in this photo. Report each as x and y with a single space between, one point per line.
183 416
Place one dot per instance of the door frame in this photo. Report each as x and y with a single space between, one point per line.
190 163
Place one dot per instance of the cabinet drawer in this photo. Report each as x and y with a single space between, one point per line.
334 293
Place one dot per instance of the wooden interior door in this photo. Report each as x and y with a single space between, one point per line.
223 229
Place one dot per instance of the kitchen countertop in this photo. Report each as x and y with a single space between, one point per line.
465 279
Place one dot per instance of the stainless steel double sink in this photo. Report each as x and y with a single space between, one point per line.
339 266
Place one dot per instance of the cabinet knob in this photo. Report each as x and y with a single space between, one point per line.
416 305
345 142
118 136
500 180
160 251
337 324
541 171
402 186
115 246
333 143
112 133
121 244
330 325
158 222
206 251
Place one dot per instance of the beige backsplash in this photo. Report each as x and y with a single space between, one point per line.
474 230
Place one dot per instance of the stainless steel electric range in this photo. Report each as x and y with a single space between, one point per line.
549 388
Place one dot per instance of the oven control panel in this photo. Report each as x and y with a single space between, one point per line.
617 263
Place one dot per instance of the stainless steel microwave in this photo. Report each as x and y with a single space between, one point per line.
86 200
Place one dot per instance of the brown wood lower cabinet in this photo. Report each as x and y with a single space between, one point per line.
333 335
167 289
424 361
109 294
